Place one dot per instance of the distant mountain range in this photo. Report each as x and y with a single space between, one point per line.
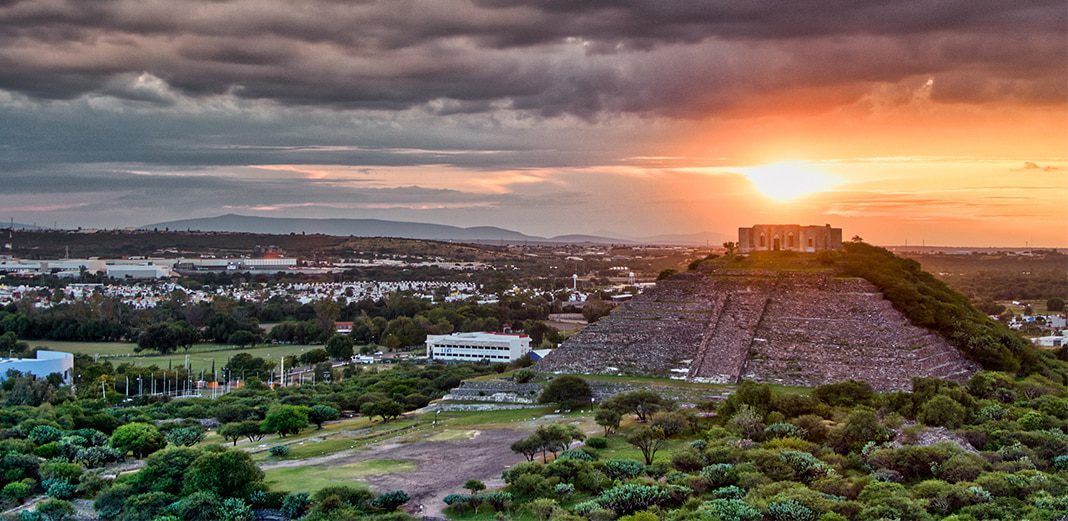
409 230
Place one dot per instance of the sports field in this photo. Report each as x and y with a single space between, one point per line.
200 356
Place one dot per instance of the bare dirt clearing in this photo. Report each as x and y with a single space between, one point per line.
442 462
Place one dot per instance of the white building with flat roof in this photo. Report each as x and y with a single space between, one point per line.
46 363
473 347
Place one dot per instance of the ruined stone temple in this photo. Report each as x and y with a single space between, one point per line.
789 237
795 328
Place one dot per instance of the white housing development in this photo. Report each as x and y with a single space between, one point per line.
46 363
472 347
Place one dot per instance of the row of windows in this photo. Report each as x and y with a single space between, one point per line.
790 243
475 357
489 348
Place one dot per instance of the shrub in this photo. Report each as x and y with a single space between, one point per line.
942 411
109 502
497 499
295 504
279 451
48 450
719 475
790 510
729 510
185 436
597 442
574 454
60 489
622 468
456 499
17 492
688 460
728 492
234 509
55 510
630 497
389 501
97 456
784 430
198 506
805 466
523 376
141 439
42 434
563 490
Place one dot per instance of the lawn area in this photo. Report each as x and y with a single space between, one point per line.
313 479
335 437
200 356
618 448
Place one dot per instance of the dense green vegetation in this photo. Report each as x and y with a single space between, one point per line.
394 321
57 444
993 276
929 302
993 448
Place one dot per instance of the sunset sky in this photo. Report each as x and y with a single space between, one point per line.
939 121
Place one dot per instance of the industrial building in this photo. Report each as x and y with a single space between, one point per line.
472 347
46 363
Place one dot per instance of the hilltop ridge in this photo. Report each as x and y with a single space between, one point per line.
798 319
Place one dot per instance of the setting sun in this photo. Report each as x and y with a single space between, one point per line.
789 179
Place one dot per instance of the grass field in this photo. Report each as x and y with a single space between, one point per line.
313 479
200 356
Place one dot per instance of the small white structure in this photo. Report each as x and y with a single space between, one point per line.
472 347
46 363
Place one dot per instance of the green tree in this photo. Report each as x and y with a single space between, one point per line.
570 392
528 447
1055 304
314 357
285 420
225 473
649 440
608 418
339 347
643 403
242 338
318 414
386 409
141 439
231 432
475 486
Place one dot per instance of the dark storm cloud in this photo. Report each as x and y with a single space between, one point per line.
546 58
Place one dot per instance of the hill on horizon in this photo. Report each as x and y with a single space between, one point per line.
786 318
379 227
